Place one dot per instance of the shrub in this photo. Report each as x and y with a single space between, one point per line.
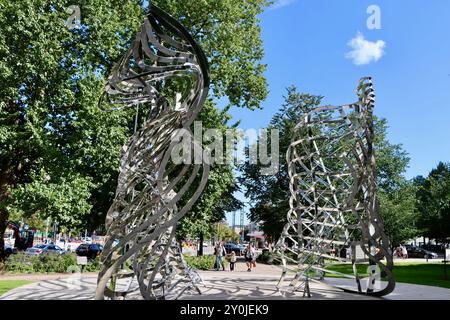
45 263
201 262
93 265
19 263
74 269
268 257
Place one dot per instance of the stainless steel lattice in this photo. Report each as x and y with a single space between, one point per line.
165 74
334 214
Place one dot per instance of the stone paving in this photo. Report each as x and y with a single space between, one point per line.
216 287
403 291
224 285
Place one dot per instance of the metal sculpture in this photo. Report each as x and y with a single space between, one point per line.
141 222
334 213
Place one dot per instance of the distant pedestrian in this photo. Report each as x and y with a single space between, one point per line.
398 252
249 256
232 260
404 252
215 255
220 254
333 251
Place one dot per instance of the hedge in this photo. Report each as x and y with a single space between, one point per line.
46 263
202 262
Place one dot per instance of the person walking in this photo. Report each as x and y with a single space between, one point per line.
398 252
254 261
249 255
220 253
215 255
232 260
404 252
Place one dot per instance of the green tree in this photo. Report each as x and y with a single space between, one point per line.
229 32
58 153
433 203
218 196
225 233
399 214
55 146
269 194
395 193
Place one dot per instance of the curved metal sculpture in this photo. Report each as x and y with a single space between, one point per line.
334 213
141 222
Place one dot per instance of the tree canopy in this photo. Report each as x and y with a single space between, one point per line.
433 203
59 154
269 194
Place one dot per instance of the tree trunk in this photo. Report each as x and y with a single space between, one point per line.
3 223
200 247
4 215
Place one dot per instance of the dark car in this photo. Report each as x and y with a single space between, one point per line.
45 249
434 248
416 252
89 250
230 247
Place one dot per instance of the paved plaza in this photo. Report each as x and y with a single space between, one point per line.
259 284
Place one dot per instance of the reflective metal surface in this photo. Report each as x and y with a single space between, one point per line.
334 214
164 75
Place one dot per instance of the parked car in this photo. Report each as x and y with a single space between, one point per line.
416 252
243 247
230 247
72 246
45 249
89 250
86 240
433 248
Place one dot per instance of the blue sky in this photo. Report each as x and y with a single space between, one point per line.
306 43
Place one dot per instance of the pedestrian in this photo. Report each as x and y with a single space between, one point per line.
254 261
215 255
333 251
220 253
232 260
398 252
249 255
404 252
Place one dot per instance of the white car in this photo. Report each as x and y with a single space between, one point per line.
87 240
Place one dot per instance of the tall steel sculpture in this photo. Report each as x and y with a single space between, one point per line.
334 214
141 223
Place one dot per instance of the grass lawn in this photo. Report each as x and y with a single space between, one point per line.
6 285
430 274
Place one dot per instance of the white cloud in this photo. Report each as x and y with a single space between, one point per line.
364 51
281 3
